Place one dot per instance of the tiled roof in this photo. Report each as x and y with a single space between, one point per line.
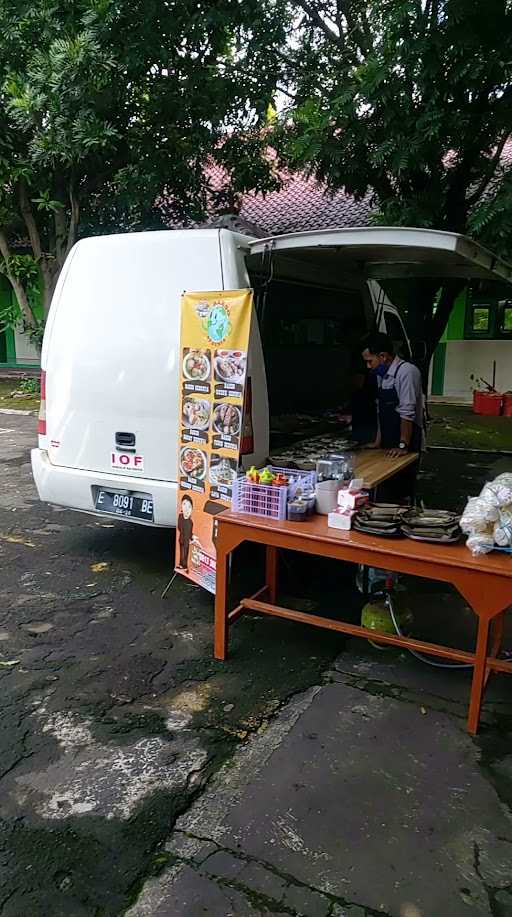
300 204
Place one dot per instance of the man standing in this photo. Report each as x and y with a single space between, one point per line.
400 410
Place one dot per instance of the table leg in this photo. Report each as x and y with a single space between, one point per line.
498 626
271 573
497 634
477 685
221 604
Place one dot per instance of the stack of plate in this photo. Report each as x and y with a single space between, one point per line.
434 525
380 519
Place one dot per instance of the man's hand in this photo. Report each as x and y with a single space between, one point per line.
396 453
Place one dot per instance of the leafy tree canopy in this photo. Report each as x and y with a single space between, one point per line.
411 102
108 105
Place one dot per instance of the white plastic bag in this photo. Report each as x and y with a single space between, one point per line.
498 493
503 528
478 515
480 544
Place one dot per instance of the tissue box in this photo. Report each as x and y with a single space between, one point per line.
350 501
339 520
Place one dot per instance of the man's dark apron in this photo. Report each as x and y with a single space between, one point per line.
389 418
402 485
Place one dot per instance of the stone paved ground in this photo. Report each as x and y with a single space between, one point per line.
309 775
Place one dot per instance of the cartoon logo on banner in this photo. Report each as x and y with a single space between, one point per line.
215 330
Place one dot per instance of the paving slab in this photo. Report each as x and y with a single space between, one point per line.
365 806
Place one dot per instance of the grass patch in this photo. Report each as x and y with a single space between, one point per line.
29 402
456 425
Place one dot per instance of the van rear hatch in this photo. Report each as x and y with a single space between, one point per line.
379 252
111 352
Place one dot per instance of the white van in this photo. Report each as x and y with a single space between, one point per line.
111 349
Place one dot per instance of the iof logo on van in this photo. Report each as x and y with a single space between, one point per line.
122 461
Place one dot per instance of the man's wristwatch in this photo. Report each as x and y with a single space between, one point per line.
403 446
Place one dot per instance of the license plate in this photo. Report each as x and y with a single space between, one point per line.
127 505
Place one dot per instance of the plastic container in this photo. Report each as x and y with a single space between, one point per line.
487 403
342 521
334 467
311 503
507 405
268 500
326 497
297 511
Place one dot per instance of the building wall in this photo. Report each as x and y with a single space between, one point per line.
16 348
466 358
26 353
458 357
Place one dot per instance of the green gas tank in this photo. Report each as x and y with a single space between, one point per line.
376 615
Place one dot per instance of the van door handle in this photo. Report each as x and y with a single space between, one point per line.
125 442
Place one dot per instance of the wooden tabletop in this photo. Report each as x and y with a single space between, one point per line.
376 466
316 529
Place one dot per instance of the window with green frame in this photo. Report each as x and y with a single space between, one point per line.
488 320
479 320
505 318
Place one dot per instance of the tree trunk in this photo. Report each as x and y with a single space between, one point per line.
49 283
439 320
17 286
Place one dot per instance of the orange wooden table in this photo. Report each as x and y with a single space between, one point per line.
485 582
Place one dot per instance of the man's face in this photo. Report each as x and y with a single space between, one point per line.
186 508
373 360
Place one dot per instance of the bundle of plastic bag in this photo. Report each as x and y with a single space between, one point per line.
503 528
497 494
480 544
487 519
479 516
505 478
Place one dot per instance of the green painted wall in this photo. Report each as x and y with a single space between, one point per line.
7 348
7 337
454 330
455 327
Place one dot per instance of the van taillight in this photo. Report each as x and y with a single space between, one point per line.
41 424
247 439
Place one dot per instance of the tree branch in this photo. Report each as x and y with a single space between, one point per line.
16 284
74 217
35 241
449 292
315 16
295 65
339 19
286 92
59 218
30 223
477 194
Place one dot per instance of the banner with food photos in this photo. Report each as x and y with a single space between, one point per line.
215 330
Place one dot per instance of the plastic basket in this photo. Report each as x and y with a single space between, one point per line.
266 499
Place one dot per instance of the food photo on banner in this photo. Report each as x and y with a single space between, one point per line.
215 329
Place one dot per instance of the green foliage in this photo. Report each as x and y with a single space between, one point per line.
408 102
29 385
108 108
34 330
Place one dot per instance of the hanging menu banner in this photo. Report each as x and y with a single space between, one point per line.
215 330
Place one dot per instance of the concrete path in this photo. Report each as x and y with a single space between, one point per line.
309 775
364 797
